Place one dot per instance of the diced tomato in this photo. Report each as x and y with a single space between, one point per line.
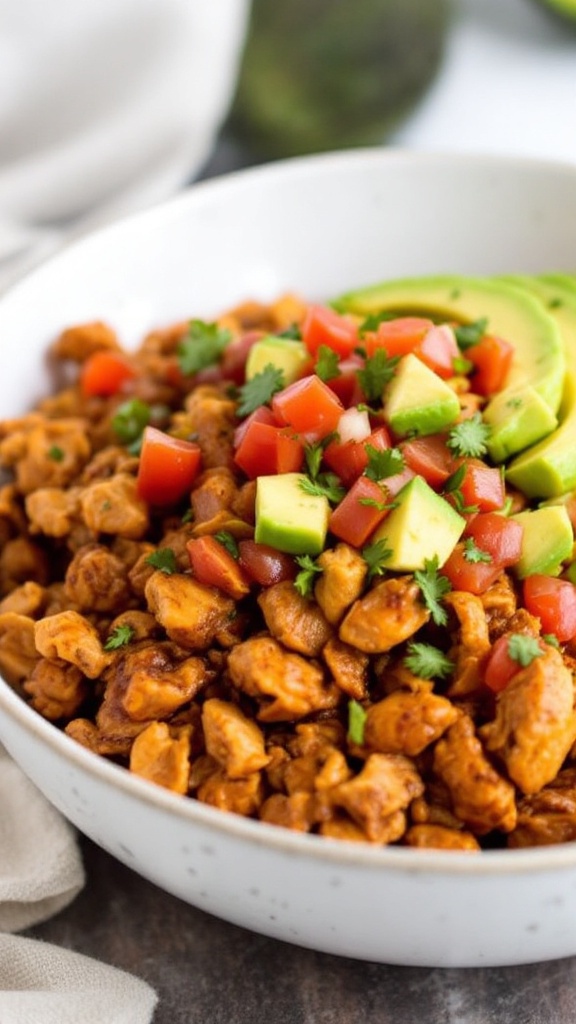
213 565
438 349
482 486
233 362
492 358
350 459
500 668
553 601
309 406
398 336
352 520
429 457
104 373
264 564
323 326
266 449
168 467
494 535
263 414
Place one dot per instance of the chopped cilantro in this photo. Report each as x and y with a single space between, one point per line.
470 334
56 453
551 639
304 581
462 365
225 538
383 463
453 486
313 456
119 637
203 345
163 559
382 506
357 716
325 485
376 373
373 321
188 516
472 553
523 648
468 438
376 555
292 332
433 587
259 389
427 661
130 419
326 366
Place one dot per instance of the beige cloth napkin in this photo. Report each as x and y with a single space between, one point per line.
41 872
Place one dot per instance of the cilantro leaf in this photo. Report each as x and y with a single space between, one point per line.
523 648
376 373
225 538
376 555
357 716
259 389
453 486
313 456
433 587
292 332
119 637
304 581
203 345
56 453
130 419
326 366
325 485
468 438
373 321
163 559
427 661
383 463
551 639
470 334
472 553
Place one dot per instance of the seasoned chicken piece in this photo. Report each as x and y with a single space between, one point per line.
52 510
213 492
152 682
340 826
106 463
27 599
193 615
18 653
295 621
392 611
70 637
141 571
378 796
341 582
46 453
79 342
499 603
348 667
240 796
11 511
114 506
142 625
296 811
57 689
161 754
471 644
438 837
232 739
535 724
96 580
407 723
22 560
480 797
210 417
286 685
549 816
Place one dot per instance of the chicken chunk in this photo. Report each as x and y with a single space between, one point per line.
378 796
388 614
240 796
348 667
295 621
549 816
439 837
152 681
210 417
407 723
46 453
52 510
115 507
193 615
57 689
535 724
96 580
27 599
162 755
232 739
341 582
18 653
70 637
79 342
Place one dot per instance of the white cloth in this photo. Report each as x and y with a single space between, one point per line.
105 106
41 872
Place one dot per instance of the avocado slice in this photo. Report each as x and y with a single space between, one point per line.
511 311
548 468
417 401
421 526
287 517
547 541
285 354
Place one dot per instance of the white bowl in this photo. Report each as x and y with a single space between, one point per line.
319 226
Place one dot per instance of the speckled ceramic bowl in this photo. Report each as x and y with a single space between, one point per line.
319 226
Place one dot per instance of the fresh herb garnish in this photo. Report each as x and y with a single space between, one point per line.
130 420
427 661
472 553
433 587
373 320
309 568
470 334
383 462
453 487
376 555
357 716
292 332
523 648
202 346
462 365
326 366
376 373
259 389
163 559
56 453
225 538
468 438
551 639
119 637
326 485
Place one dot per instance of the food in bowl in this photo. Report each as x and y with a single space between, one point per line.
313 564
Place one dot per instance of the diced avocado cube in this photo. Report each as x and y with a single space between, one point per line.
418 401
547 541
285 354
422 526
517 417
287 517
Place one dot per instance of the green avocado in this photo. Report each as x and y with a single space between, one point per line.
287 517
283 353
547 540
417 401
548 468
421 526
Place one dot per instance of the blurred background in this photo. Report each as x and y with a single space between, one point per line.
110 105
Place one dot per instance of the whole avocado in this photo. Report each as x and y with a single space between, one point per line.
326 74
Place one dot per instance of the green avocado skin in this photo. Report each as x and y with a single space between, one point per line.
326 74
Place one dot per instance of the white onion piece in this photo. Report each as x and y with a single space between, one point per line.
354 425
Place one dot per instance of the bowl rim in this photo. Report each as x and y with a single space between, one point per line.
493 863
